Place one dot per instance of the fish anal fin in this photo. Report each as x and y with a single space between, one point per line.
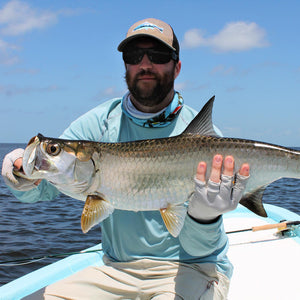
95 210
253 201
173 217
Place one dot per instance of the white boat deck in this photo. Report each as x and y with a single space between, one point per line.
266 266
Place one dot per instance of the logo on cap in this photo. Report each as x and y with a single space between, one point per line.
147 26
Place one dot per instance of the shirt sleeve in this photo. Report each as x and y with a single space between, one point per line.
203 239
43 192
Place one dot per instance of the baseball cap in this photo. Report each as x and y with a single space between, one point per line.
153 28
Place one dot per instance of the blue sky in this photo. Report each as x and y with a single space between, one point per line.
58 59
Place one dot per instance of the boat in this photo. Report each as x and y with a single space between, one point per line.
265 253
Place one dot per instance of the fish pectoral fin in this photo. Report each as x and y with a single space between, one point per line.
95 210
253 201
173 217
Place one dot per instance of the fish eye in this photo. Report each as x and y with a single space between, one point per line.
53 149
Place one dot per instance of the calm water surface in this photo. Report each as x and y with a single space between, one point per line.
43 228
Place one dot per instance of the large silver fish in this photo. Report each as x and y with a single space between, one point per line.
155 174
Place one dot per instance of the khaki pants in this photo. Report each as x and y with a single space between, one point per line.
142 279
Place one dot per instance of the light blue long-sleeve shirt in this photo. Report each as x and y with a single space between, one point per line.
128 235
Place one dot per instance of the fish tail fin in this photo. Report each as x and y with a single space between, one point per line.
253 201
173 217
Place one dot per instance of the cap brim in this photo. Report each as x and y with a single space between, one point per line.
123 44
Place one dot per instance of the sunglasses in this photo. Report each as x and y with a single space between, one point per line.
135 56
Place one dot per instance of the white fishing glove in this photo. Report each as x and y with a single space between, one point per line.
13 181
211 200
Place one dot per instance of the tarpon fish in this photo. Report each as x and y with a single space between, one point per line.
152 174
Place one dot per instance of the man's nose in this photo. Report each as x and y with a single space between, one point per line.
145 62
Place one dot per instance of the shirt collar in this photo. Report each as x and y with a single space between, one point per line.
160 119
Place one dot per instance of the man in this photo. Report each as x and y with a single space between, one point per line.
142 260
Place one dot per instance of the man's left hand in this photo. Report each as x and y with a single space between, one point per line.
221 193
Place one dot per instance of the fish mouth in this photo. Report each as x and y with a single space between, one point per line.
32 161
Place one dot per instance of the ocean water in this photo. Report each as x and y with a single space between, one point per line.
29 230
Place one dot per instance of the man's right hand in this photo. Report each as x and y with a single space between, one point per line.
14 160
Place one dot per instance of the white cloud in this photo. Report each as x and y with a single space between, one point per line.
190 85
21 71
193 38
223 70
17 17
234 89
13 90
109 91
6 58
179 86
3 46
234 37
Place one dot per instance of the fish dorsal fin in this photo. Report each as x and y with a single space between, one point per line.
202 124
173 217
95 210
253 201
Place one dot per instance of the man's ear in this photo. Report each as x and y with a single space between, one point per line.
177 69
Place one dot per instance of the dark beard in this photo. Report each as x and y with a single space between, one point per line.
157 94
